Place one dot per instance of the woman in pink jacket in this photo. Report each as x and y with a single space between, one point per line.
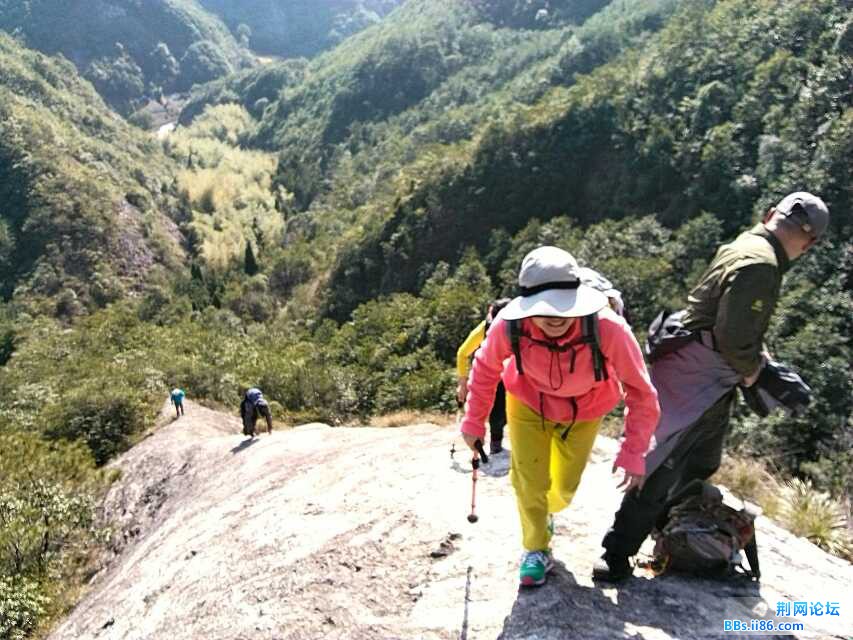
578 359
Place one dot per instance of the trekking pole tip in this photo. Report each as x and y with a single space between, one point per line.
473 518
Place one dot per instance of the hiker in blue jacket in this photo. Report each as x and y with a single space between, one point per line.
253 406
177 397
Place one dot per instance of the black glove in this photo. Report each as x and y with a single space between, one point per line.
777 386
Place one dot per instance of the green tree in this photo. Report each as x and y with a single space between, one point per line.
250 264
203 62
118 78
166 67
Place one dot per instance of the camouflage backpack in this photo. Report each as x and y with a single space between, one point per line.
705 537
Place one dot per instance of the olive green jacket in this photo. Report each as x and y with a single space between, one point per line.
737 294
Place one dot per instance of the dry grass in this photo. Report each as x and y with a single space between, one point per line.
795 504
750 480
408 417
815 515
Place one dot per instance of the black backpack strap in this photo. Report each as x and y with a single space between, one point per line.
574 404
589 326
514 328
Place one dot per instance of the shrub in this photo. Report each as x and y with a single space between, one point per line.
816 516
21 605
118 79
749 480
103 418
203 62
291 270
37 518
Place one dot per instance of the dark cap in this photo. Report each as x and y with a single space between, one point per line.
814 208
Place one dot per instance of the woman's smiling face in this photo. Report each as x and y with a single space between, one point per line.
552 327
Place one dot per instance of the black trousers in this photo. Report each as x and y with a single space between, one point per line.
251 415
497 418
697 455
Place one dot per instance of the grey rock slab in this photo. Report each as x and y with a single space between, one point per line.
321 532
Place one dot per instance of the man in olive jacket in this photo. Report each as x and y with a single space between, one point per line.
728 313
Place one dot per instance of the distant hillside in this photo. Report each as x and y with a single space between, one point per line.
128 49
294 28
424 134
536 14
395 113
81 192
253 88
643 132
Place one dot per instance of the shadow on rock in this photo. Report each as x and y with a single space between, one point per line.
244 445
669 607
496 467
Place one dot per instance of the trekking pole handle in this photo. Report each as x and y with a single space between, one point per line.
479 446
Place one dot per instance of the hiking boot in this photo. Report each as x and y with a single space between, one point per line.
612 568
534 566
495 448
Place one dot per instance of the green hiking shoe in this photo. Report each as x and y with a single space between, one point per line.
534 566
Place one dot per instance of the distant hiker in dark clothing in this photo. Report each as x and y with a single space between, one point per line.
177 397
253 406
707 350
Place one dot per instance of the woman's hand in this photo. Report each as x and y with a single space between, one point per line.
461 390
630 481
471 441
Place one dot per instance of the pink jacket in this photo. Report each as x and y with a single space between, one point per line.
547 379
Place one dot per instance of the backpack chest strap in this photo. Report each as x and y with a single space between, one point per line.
589 335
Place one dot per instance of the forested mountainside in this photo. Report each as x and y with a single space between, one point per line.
331 229
698 118
135 51
297 28
82 199
129 50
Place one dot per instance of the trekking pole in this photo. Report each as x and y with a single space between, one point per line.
475 464
481 451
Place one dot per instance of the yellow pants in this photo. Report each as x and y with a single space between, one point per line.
545 470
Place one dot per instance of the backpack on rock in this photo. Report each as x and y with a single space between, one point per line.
705 537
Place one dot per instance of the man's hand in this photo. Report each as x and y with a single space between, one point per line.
749 380
462 390
630 481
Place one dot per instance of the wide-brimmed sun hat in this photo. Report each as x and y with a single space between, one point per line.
550 285
592 278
